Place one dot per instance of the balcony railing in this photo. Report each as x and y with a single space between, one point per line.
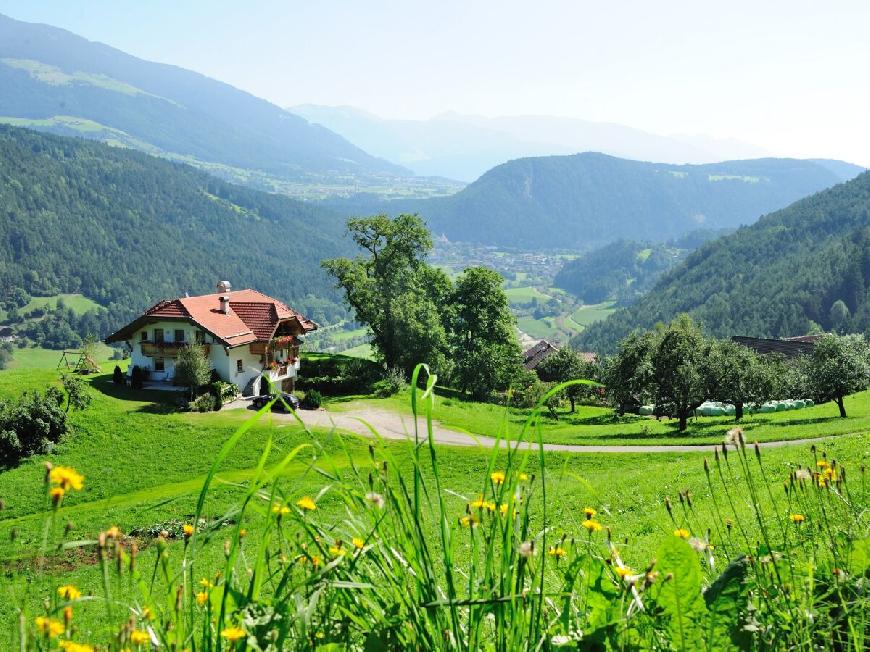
167 349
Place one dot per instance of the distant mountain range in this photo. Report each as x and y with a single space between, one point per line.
126 229
801 268
465 146
53 80
587 200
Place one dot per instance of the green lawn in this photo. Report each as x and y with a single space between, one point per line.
599 425
364 351
585 315
38 358
79 303
525 294
144 464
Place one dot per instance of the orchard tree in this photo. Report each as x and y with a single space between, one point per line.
627 376
742 377
486 352
564 365
681 369
77 395
192 369
837 367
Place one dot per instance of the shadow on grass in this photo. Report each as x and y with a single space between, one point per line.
156 402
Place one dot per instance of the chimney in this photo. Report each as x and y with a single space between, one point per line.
225 304
223 287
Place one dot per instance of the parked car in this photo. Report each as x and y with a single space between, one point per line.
278 405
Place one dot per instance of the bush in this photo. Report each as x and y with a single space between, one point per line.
118 376
31 425
203 403
137 377
392 383
223 392
337 375
312 400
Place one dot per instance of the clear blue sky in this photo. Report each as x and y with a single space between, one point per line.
789 76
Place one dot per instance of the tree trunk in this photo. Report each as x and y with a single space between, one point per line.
842 407
684 418
571 398
738 411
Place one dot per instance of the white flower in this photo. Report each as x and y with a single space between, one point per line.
526 549
698 544
375 499
802 474
560 639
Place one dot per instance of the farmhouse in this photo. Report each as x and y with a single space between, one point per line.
245 334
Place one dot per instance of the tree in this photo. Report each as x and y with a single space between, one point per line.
192 369
680 369
381 287
77 395
628 376
742 377
839 315
485 349
837 367
118 376
564 365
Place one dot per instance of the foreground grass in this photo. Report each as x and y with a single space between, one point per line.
145 464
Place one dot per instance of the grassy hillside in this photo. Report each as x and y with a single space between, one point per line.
125 229
54 80
779 277
144 466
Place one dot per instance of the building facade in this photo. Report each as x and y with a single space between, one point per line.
245 334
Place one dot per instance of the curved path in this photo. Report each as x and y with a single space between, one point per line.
391 425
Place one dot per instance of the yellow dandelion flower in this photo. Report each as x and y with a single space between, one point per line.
114 532
497 477
147 614
623 571
139 637
280 510
48 626
589 512
797 518
556 551
206 583
187 530
477 504
306 503
503 509
358 543
201 598
69 592
336 550
522 477
316 561
56 493
822 464
233 634
683 533
66 477
469 521
243 533
592 525
72 646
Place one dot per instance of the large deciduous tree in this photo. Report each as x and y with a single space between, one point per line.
838 366
628 375
564 365
742 377
385 287
486 353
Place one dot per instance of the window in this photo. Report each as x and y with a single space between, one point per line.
158 364
179 335
239 367
200 337
143 336
158 335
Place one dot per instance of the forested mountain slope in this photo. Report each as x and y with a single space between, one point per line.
804 266
590 199
127 229
54 80
624 270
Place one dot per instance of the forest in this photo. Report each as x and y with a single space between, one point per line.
803 269
126 230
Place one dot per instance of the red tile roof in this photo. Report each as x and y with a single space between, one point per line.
252 316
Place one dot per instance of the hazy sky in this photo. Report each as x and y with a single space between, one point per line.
789 76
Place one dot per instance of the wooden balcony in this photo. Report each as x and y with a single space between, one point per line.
167 349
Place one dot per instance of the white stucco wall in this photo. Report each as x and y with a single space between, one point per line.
223 360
